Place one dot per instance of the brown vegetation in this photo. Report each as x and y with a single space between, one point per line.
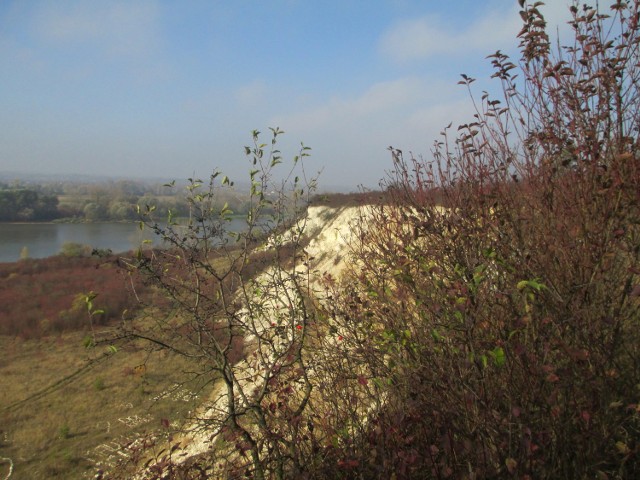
507 324
356 199
45 296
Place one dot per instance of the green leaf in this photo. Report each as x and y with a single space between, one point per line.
498 355
483 359
532 284
489 253
536 285
436 335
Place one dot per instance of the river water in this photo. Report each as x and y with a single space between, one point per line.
46 239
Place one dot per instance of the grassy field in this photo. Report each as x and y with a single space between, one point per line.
79 426
66 410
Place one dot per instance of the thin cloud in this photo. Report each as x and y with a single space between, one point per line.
421 38
252 95
117 28
379 100
428 36
407 113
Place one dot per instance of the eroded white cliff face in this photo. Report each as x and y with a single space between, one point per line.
327 233
330 232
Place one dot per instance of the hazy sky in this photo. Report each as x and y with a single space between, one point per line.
172 88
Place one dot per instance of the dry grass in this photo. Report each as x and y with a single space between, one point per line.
76 428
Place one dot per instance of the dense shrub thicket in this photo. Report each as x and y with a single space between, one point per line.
504 327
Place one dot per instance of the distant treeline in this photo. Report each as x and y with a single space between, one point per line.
27 205
111 200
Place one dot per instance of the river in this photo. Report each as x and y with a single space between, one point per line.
46 239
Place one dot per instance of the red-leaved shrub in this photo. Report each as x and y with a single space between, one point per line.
496 295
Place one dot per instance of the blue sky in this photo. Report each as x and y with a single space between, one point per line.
171 89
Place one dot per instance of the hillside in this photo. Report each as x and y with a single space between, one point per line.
135 389
327 233
477 320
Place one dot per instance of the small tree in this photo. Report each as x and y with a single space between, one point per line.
75 249
94 211
237 304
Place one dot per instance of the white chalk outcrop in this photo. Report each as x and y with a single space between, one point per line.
326 235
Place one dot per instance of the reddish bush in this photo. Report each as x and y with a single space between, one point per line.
38 297
507 323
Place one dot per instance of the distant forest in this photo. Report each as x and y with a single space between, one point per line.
106 201
27 205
